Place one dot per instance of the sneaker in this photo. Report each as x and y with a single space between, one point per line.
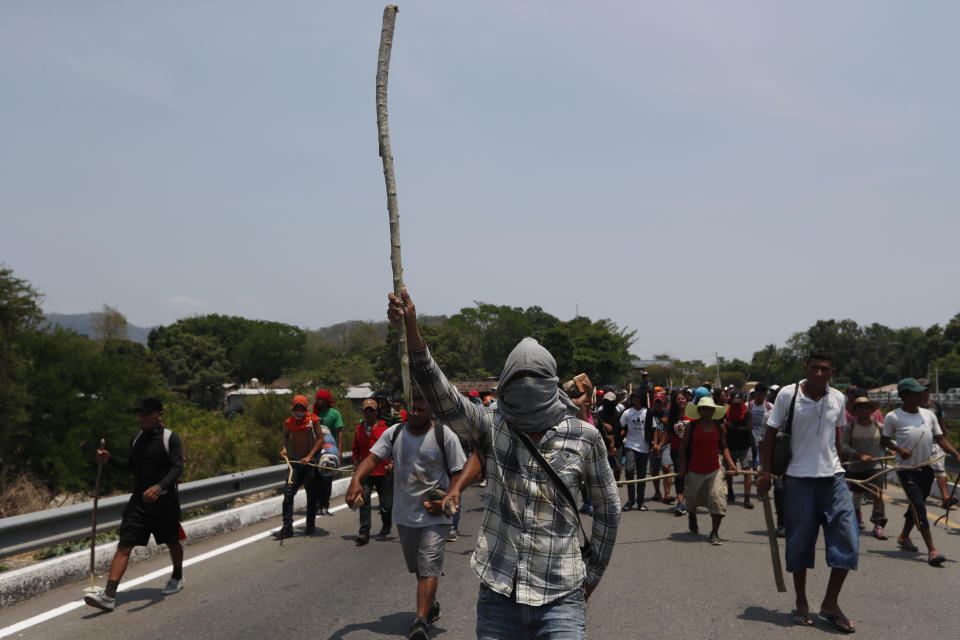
362 539
781 532
731 498
384 532
285 532
418 630
587 509
101 601
452 537
627 507
668 499
434 614
715 538
643 507
310 529
680 509
657 497
173 585
482 484
860 522
935 559
692 523
878 533
747 504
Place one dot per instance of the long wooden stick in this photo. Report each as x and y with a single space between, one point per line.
386 154
93 526
774 546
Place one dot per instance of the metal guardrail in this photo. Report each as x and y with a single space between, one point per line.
39 529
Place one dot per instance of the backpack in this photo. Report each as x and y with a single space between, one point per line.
438 430
166 447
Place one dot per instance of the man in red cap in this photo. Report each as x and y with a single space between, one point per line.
380 479
331 419
302 440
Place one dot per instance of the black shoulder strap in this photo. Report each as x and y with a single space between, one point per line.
439 433
788 428
562 488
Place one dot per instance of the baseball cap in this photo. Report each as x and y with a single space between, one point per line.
660 395
323 394
910 384
610 396
149 405
369 403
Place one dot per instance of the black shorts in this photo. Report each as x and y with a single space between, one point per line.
140 519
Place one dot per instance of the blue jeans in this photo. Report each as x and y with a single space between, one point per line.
500 618
636 467
810 503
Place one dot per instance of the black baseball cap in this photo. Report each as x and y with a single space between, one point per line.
149 405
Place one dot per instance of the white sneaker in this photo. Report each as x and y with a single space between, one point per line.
101 601
173 585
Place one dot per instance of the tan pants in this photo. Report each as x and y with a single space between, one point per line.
706 490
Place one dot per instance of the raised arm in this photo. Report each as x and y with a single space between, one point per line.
470 421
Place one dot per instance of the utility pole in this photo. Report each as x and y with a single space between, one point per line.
716 358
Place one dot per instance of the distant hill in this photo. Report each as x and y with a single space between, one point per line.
82 323
335 333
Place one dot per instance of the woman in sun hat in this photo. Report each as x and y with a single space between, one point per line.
700 450
861 444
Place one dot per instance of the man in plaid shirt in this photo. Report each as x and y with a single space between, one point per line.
533 579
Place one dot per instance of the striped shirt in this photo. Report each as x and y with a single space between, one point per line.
528 546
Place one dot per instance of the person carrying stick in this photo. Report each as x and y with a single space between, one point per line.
814 485
156 460
912 424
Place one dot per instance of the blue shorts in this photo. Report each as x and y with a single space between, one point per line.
810 503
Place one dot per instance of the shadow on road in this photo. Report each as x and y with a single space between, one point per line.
394 624
771 616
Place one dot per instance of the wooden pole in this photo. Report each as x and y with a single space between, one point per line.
93 526
386 154
774 547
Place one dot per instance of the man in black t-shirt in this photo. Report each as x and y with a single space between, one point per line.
156 460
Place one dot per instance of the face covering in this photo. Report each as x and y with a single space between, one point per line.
535 402
299 415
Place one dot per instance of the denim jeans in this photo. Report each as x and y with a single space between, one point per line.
636 468
500 618
812 503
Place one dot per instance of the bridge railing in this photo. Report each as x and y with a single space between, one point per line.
39 529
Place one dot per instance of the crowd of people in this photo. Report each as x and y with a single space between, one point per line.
538 443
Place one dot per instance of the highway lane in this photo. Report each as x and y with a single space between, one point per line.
663 582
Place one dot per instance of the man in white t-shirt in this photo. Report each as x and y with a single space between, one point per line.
420 468
915 429
636 450
815 489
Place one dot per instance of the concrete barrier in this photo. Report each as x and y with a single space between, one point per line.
19 584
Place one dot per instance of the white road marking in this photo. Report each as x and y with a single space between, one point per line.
129 584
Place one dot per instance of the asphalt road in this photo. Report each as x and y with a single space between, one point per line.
663 582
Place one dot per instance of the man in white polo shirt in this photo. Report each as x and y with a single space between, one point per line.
815 490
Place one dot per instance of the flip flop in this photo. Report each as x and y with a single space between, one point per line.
802 619
841 622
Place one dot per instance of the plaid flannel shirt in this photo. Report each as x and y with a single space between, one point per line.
528 544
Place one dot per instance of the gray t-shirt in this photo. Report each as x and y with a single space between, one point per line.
418 468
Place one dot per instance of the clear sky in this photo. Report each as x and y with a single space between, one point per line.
716 175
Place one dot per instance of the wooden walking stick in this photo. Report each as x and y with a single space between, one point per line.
386 154
774 547
93 527
949 501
